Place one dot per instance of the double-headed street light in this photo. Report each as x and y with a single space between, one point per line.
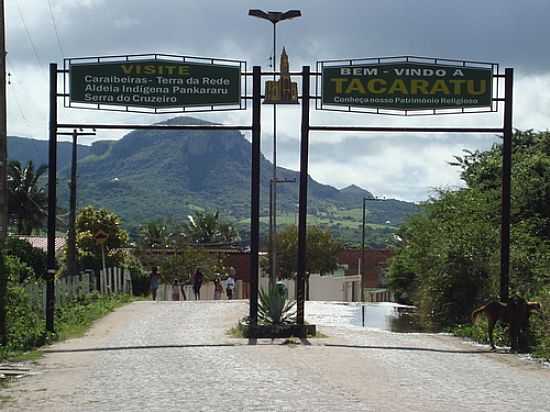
274 17
363 280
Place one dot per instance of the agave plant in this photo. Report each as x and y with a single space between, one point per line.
274 309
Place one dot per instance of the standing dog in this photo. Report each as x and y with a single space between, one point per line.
516 314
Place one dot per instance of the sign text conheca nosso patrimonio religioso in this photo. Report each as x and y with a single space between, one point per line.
407 86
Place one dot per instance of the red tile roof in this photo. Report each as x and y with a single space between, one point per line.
41 242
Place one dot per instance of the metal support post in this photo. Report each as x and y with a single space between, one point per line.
255 194
52 172
363 282
3 180
506 187
302 217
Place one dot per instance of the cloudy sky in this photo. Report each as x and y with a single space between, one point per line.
405 166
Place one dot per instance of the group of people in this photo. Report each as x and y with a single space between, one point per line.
196 280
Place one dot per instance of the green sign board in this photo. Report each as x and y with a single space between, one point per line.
407 86
154 83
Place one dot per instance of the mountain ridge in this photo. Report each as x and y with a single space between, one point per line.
163 174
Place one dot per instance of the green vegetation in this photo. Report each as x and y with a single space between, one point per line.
275 309
207 227
26 326
75 318
89 222
152 175
27 200
448 260
321 252
25 317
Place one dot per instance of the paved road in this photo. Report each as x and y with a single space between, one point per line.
163 356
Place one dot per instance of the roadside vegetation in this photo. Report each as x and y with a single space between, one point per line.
22 269
26 328
447 259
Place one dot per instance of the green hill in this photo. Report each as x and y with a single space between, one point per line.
152 175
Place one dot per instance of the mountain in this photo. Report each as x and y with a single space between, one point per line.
24 149
151 175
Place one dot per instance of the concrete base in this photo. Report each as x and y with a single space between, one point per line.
282 331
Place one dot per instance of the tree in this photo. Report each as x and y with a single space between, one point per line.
33 257
27 200
449 259
321 252
183 264
89 222
154 235
207 227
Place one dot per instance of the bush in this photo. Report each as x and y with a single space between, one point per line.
26 327
25 323
540 327
33 257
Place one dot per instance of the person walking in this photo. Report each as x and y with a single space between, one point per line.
175 290
229 286
154 281
198 277
182 288
218 288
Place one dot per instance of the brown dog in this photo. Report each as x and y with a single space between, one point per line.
516 314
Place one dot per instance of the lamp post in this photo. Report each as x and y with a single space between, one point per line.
363 280
273 238
274 17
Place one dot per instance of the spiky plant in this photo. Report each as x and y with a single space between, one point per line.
274 309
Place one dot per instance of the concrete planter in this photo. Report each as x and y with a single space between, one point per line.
278 331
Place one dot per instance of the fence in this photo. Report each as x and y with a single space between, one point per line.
67 288
115 280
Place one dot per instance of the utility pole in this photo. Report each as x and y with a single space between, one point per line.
3 177
72 265
363 275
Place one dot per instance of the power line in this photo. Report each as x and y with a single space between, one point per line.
28 34
21 113
55 29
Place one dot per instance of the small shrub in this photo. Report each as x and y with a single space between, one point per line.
274 309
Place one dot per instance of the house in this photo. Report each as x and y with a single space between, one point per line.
376 262
41 242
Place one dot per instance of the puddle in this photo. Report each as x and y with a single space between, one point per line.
384 316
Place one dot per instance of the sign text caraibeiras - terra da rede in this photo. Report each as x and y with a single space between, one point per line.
154 83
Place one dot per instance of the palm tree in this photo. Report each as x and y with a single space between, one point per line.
207 228
27 201
154 235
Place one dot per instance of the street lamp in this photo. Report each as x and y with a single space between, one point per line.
273 239
274 17
363 280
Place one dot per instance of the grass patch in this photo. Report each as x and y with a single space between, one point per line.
235 332
74 319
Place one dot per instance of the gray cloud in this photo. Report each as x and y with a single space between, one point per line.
511 33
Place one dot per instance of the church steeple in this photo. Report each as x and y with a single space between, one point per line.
284 62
